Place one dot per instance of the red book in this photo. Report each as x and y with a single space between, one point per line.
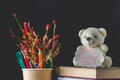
77 73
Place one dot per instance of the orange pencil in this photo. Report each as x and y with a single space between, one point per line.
40 59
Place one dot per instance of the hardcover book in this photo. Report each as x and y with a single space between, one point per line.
78 73
70 78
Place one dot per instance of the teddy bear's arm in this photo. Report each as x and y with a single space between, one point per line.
104 48
79 47
74 59
75 62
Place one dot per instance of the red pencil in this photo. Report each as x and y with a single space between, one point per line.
27 62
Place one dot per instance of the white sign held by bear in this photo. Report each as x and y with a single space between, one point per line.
89 57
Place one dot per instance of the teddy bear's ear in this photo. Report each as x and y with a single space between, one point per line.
80 32
103 31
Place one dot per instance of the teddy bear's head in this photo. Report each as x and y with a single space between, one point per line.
92 37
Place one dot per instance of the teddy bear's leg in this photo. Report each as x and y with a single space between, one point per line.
74 62
107 63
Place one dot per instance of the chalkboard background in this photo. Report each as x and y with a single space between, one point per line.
71 16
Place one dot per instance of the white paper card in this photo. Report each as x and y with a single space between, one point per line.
89 57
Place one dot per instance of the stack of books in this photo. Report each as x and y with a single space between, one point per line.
77 73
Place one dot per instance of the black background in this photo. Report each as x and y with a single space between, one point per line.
71 16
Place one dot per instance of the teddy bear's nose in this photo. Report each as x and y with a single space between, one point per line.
88 38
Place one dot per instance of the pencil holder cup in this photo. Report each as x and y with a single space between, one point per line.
37 74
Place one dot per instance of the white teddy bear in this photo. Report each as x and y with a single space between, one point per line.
94 38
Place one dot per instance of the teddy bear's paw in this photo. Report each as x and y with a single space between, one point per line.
74 62
108 62
78 48
104 48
